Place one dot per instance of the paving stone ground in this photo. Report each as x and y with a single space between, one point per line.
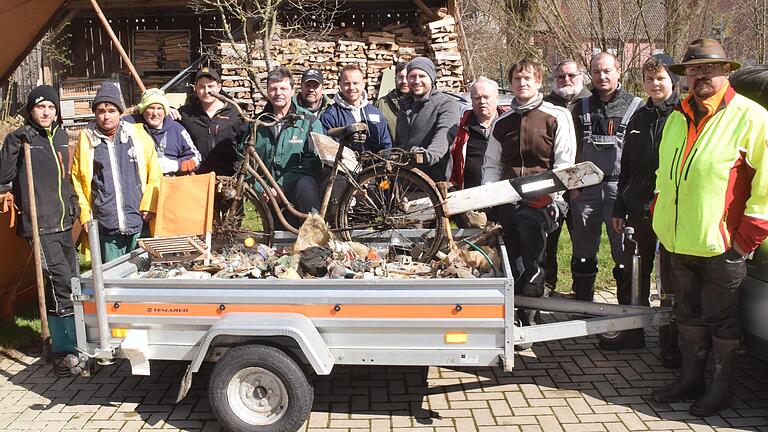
567 385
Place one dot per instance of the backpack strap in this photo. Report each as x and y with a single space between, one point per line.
636 102
586 120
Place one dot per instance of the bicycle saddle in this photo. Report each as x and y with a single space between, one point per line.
343 133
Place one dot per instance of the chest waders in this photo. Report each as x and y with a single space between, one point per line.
594 205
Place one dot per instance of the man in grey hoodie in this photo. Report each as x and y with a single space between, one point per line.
428 119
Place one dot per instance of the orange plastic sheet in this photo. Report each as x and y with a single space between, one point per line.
17 268
185 206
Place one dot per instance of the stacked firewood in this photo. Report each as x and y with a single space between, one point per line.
381 55
373 52
444 51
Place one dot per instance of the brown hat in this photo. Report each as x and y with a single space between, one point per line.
703 51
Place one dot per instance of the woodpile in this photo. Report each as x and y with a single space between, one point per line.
160 50
444 51
373 52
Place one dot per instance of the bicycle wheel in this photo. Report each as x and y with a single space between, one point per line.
396 207
235 219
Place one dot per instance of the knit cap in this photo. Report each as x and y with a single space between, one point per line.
424 64
153 96
110 93
667 60
40 94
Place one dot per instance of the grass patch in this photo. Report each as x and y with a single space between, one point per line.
23 332
604 280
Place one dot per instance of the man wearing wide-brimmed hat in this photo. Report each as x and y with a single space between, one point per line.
710 212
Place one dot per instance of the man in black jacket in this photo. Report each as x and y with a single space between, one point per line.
56 209
215 126
637 180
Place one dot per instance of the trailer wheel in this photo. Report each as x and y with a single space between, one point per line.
259 388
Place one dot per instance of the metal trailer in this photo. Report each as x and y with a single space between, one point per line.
269 336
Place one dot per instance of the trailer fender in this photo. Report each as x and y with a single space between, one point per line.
295 326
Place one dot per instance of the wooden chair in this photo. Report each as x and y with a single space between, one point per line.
183 224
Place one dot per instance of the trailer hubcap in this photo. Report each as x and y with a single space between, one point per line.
257 396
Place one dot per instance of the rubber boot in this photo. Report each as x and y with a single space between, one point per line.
719 393
669 352
694 347
627 339
584 288
63 342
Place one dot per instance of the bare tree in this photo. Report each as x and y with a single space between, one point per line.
252 26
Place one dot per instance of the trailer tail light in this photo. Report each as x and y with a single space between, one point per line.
119 332
456 338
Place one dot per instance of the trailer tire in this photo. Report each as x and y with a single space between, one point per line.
259 388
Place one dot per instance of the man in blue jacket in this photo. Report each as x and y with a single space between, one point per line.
352 106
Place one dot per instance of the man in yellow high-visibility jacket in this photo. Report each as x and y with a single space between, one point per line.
710 212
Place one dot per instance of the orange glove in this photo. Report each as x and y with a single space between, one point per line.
188 166
539 202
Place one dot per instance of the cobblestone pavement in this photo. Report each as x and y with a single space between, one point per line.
566 385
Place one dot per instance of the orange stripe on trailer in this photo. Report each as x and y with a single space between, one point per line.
314 311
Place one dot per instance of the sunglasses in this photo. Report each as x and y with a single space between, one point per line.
563 76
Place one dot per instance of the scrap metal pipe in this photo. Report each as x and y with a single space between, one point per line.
117 44
36 246
98 289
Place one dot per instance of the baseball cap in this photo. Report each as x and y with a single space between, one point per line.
312 75
209 72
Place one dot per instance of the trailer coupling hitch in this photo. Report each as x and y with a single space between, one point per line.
79 364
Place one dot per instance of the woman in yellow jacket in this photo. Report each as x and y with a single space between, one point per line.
116 175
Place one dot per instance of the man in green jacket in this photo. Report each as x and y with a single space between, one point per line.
286 147
389 104
710 212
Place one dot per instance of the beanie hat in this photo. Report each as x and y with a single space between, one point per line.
153 96
110 93
667 60
424 64
40 94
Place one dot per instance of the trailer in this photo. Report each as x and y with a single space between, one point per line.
269 337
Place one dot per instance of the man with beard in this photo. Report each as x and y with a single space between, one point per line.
568 85
600 121
709 213
428 119
175 151
311 96
350 105
568 88
389 104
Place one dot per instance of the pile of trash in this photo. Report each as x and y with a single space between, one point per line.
316 254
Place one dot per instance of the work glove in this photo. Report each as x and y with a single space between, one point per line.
429 159
539 202
168 165
188 166
359 137
24 133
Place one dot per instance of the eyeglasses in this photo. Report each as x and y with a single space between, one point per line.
700 69
563 76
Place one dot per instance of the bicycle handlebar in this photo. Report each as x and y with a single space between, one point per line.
290 117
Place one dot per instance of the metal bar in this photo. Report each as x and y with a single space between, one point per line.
98 289
509 325
118 46
579 307
36 246
593 326
636 261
